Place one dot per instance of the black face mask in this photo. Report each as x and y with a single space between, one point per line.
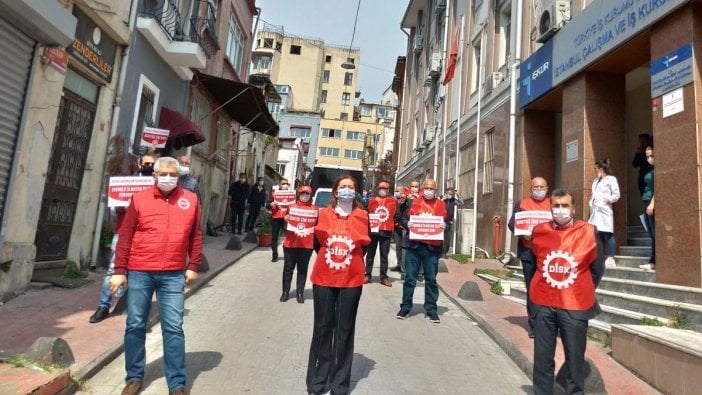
147 170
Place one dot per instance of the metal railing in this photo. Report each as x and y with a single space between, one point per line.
199 29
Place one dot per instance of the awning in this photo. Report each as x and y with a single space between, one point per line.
243 102
184 132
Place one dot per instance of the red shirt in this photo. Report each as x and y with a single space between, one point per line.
300 239
385 207
433 207
339 262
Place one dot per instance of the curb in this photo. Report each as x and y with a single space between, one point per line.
113 352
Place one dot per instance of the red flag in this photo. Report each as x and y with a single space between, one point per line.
453 57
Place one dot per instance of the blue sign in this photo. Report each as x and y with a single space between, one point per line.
672 71
536 75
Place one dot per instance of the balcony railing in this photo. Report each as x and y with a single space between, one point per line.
205 31
200 29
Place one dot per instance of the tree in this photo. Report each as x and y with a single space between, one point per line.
384 170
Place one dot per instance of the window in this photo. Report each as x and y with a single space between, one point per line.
331 133
353 154
381 112
267 43
278 46
504 20
465 178
295 49
325 76
327 151
327 59
348 78
323 99
301 132
365 111
489 162
475 68
350 60
201 113
376 138
344 116
235 45
280 168
145 111
345 98
351 135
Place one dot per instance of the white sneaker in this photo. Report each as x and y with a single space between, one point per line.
609 262
648 266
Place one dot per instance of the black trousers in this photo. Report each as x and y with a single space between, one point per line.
277 225
527 270
384 243
447 239
398 248
295 258
254 210
548 323
237 217
331 351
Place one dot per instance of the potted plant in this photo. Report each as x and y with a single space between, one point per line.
264 230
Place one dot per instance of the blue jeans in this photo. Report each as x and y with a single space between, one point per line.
105 294
608 241
414 259
170 295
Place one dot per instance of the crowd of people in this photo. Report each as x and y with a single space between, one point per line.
562 260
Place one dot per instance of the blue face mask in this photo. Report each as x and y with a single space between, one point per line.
346 194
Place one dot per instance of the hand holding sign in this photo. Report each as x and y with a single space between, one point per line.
426 227
525 221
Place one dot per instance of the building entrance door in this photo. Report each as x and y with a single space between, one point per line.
65 174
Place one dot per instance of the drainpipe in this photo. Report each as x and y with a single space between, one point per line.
444 120
513 81
116 106
400 109
481 71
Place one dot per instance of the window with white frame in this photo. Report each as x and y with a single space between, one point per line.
201 114
328 151
145 110
323 98
504 19
348 78
325 76
475 66
353 154
344 116
331 133
301 132
365 111
376 138
280 168
235 45
381 112
489 162
467 173
345 98
351 135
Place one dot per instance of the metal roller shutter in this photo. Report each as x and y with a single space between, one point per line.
16 49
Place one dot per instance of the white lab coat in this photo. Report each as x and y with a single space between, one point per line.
605 191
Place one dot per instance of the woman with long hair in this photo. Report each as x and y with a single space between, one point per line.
605 191
341 234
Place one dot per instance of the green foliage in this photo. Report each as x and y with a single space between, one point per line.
21 361
490 272
648 321
607 342
265 224
679 320
460 258
73 271
509 274
496 288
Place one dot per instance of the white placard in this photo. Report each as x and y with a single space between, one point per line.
572 151
155 137
121 189
426 227
673 102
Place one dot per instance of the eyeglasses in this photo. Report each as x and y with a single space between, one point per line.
148 164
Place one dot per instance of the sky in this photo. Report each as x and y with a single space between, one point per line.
378 33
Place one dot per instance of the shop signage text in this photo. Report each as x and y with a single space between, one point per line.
92 48
672 71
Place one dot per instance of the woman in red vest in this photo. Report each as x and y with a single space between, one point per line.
298 242
384 206
337 278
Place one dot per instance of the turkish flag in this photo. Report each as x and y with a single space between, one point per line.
453 58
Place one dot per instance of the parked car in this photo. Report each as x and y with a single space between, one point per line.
322 197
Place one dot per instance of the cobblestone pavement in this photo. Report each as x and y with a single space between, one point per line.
241 339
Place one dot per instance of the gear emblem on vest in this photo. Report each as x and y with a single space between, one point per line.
183 203
560 269
338 254
301 231
383 213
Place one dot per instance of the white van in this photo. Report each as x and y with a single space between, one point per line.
322 197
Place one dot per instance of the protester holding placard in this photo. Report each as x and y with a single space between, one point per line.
299 240
531 211
424 220
279 207
341 235
383 207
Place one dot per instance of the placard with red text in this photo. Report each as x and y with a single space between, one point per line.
426 227
155 137
121 189
302 221
284 197
525 221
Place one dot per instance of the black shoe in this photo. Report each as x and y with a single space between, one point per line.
100 314
420 278
531 334
285 296
402 314
434 318
300 297
396 268
274 259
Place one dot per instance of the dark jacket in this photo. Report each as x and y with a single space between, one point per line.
239 192
257 197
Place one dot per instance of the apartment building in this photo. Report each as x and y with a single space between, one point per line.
593 76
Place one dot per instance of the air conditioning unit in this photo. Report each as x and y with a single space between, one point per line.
495 79
435 65
418 43
553 15
440 6
429 133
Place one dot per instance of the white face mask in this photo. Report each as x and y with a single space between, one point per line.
305 197
414 189
538 194
428 194
166 183
650 160
382 192
397 195
562 215
183 170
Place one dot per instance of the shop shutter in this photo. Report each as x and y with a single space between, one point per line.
16 51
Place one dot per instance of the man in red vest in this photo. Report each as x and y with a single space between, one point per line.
569 266
384 206
422 249
538 201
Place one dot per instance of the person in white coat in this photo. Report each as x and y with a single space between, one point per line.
605 192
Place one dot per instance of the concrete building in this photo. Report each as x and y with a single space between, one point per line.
593 77
290 163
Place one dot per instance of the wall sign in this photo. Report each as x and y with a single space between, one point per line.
56 57
536 75
672 71
92 48
673 103
572 151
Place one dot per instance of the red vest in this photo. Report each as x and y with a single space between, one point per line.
531 204
563 256
339 262
386 207
294 239
433 207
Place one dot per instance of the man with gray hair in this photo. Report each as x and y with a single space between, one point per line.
160 230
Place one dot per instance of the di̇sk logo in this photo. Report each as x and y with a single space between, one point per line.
560 269
338 254
302 231
183 203
383 213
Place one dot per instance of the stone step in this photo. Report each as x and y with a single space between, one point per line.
630 273
639 233
635 228
635 251
639 241
667 292
630 261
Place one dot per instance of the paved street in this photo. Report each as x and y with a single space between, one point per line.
241 339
